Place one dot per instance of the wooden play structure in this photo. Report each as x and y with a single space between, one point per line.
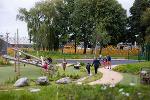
145 75
28 59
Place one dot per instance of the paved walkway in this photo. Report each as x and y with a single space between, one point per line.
109 77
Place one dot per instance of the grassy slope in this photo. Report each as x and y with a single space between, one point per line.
132 68
130 72
7 73
94 77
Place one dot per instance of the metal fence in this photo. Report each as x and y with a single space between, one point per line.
144 54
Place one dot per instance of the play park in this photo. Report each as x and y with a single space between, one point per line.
23 77
75 50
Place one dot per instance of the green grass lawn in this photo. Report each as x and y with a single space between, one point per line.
131 72
94 77
59 55
130 78
132 68
7 73
79 92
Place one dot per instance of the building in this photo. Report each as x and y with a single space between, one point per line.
23 42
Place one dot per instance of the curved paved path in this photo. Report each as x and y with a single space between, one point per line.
109 77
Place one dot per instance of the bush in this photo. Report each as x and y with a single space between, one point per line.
2 62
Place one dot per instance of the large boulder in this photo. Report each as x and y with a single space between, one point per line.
21 82
65 80
42 80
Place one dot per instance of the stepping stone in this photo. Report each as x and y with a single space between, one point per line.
65 80
21 82
42 80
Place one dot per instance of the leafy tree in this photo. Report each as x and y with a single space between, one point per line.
145 19
135 26
101 36
58 21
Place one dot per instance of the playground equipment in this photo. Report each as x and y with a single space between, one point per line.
17 59
34 61
145 75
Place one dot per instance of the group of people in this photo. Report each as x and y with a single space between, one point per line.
97 62
105 62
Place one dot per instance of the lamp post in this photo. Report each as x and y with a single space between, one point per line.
7 42
135 40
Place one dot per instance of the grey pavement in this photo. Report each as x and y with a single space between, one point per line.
114 61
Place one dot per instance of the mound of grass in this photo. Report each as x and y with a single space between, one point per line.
72 73
132 68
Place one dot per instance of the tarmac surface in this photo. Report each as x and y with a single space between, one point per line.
113 62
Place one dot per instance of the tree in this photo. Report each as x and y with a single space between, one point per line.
58 21
135 27
145 19
101 37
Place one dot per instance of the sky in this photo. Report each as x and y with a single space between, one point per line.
9 10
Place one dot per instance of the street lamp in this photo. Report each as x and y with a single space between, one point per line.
135 40
7 42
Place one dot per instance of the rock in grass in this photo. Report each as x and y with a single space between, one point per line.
34 90
42 80
21 82
65 80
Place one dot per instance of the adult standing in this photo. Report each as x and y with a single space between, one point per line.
96 64
109 61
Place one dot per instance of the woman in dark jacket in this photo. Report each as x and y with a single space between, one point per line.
96 64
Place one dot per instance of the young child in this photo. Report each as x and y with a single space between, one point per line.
88 68
64 64
105 62
109 61
45 66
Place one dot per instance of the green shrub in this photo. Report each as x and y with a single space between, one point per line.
4 63
82 63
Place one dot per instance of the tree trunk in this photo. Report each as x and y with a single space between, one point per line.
92 50
75 44
100 51
85 46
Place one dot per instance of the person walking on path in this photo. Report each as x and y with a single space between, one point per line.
64 64
109 61
96 64
105 62
88 68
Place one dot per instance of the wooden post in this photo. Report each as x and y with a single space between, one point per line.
15 61
18 55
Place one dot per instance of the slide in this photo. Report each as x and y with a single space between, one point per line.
27 54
